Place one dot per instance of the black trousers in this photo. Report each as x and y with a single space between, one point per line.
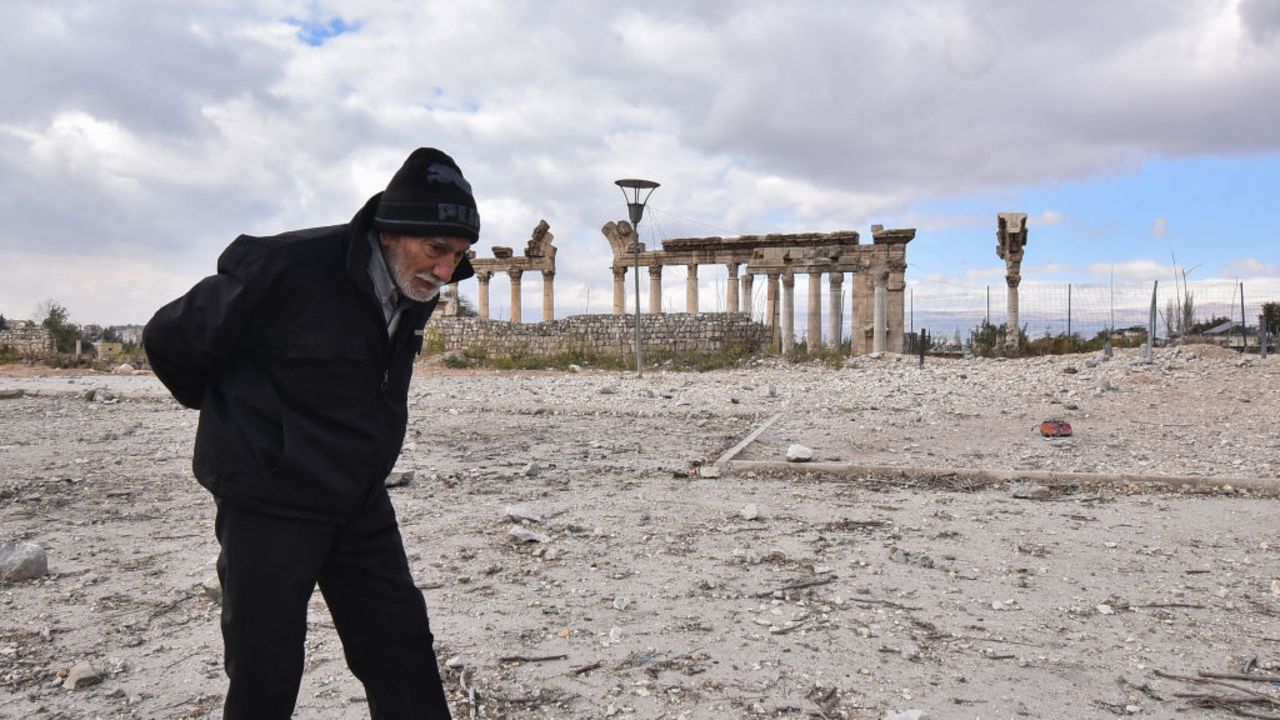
269 566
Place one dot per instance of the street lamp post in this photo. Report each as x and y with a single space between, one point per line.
631 190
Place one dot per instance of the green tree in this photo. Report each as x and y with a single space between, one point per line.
1270 317
465 308
4 324
58 320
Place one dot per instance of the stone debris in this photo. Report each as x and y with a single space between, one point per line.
22 561
521 513
907 715
11 393
212 588
533 469
524 534
751 512
799 453
123 369
708 471
103 395
575 368
399 478
82 675
1027 491
906 557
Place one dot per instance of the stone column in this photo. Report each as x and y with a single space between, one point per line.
731 290
862 308
788 313
878 317
655 289
895 337
691 290
449 299
482 277
744 302
517 312
619 298
814 330
771 306
548 296
835 309
1011 238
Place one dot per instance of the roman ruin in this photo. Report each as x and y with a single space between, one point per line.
539 255
878 270
1011 238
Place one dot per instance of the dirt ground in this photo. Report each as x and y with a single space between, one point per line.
658 593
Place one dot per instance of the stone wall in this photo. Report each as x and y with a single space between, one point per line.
599 334
27 341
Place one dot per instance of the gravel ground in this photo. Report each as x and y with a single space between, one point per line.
658 593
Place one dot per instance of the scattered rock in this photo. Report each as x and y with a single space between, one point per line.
772 391
1105 609
1071 369
454 662
22 561
751 512
520 512
608 390
1104 385
799 453
906 715
100 395
212 588
1091 363
906 557
621 603
1030 492
398 478
575 368
709 471
524 534
123 369
11 393
82 675
533 469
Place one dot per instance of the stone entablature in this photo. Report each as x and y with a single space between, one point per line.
27 341
878 272
601 334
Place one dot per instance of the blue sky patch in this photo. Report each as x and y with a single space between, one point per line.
317 32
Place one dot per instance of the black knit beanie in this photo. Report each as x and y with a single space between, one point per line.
428 197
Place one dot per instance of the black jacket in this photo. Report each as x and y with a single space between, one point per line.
302 396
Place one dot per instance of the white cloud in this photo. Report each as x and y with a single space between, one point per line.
211 118
1249 268
1159 228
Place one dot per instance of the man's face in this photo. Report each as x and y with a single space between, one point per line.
422 265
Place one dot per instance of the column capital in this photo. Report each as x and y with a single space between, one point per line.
788 280
483 276
618 272
515 275
548 274
837 279
733 269
655 271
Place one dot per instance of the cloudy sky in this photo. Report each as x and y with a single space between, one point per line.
138 138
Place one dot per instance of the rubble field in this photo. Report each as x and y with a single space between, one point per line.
581 559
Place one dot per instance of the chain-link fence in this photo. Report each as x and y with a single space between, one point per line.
952 311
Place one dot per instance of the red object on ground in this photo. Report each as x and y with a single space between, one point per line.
1055 428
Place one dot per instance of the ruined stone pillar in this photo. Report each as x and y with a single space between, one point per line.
655 289
731 290
878 316
771 306
835 309
862 311
449 300
619 298
745 302
517 312
482 277
1011 238
895 338
788 313
813 334
548 296
691 290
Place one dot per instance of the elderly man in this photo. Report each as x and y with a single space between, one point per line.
298 354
